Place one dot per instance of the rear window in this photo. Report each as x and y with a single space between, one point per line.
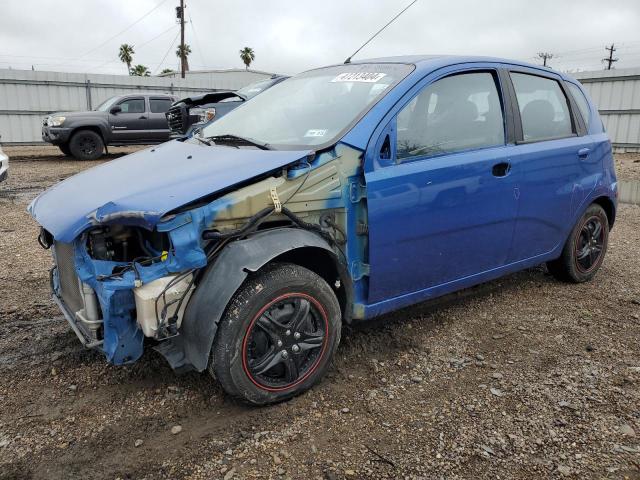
159 105
581 100
543 107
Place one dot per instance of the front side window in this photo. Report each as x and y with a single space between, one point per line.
456 113
543 107
159 105
133 105
311 109
581 101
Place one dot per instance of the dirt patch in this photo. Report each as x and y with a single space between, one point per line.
523 377
628 166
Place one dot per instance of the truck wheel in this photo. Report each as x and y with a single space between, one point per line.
277 336
86 145
585 249
64 148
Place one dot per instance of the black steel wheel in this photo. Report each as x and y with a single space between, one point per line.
585 248
86 145
278 335
589 244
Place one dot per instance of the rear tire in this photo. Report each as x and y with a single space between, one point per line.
86 145
64 148
585 248
277 336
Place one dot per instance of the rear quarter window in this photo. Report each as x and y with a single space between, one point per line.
581 101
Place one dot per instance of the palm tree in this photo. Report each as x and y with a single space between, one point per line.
140 71
247 56
187 51
126 55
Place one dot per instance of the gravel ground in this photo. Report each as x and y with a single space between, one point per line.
628 166
523 377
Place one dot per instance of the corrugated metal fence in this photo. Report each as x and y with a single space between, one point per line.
27 96
617 95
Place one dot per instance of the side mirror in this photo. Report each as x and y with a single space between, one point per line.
115 109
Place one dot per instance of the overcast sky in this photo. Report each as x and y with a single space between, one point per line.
289 36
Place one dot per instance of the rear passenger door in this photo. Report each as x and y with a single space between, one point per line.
158 129
550 153
441 191
129 125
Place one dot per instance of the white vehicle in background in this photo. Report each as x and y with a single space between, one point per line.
4 165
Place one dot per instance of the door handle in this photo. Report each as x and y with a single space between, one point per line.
501 169
583 153
142 117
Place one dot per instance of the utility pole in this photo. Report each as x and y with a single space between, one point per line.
610 60
181 18
545 56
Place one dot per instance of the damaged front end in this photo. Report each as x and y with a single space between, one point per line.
127 268
117 284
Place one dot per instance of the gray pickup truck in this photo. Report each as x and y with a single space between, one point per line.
135 119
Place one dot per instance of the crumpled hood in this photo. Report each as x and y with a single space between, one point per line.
140 188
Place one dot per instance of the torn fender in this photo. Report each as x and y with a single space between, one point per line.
190 350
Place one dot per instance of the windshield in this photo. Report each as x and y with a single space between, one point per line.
106 105
255 88
311 109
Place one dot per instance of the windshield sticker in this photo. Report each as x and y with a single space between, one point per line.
366 77
316 132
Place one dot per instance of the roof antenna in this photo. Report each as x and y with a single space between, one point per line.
348 60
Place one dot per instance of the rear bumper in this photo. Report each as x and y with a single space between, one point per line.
56 135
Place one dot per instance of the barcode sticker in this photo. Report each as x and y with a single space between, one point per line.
367 77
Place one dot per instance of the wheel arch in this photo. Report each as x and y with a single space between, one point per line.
94 128
225 276
609 208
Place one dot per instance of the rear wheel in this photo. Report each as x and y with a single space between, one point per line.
86 145
64 148
278 335
585 249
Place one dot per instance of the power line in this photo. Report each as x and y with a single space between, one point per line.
139 46
165 55
124 30
193 28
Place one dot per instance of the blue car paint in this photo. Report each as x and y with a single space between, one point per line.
126 190
414 207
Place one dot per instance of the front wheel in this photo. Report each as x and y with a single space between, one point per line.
277 336
585 249
86 145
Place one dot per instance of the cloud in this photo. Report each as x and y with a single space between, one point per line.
290 36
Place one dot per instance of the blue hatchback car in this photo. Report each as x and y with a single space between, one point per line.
337 195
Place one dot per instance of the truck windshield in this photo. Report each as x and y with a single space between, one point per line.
106 105
310 109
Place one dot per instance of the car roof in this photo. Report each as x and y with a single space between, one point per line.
428 63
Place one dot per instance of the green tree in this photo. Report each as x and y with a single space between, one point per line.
126 55
167 70
247 56
140 71
187 51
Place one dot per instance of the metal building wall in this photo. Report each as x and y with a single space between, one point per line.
27 96
617 95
